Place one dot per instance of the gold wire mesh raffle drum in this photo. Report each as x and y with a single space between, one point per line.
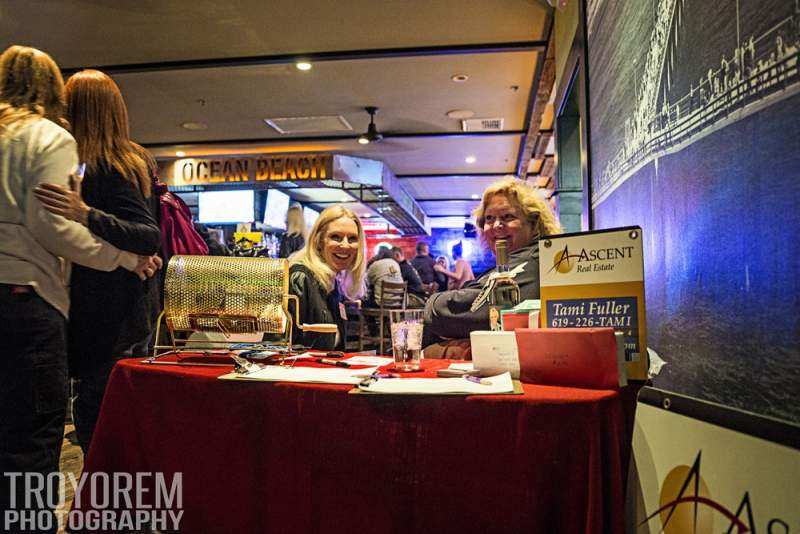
231 295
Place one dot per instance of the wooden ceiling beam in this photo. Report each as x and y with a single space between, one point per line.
543 86
315 57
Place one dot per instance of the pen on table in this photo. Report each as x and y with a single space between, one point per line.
479 380
328 361
374 377
379 375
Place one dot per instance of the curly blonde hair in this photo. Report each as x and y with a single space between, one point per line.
31 87
311 254
527 200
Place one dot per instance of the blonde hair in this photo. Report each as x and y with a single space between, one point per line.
99 119
295 221
525 198
31 87
311 254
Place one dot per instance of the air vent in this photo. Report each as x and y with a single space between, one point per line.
302 125
482 125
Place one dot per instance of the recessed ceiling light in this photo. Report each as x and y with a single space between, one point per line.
194 126
475 197
459 78
180 153
303 65
363 140
460 114
471 159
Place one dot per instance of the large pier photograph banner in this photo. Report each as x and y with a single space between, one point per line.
695 137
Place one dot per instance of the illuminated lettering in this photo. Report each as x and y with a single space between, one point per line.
303 169
227 171
204 165
277 169
291 169
243 170
262 169
188 177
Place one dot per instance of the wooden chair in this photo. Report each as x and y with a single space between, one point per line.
352 328
391 296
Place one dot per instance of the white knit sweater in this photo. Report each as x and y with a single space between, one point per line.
32 240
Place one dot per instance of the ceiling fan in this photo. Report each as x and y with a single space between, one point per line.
372 135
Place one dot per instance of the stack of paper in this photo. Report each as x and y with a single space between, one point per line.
326 375
441 386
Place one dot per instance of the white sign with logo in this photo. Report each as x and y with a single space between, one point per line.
689 476
596 280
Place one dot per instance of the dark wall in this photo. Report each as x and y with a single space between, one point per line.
695 136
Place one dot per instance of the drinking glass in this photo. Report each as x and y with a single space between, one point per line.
406 327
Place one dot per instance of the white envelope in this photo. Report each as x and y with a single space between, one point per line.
494 353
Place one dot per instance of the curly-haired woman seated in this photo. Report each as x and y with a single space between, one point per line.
516 212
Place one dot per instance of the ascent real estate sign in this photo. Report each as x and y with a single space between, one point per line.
596 280
231 170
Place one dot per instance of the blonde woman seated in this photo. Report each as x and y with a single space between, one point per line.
325 273
516 212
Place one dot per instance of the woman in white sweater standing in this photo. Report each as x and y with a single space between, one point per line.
34 302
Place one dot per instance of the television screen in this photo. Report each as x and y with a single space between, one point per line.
275 213
311 217
226 207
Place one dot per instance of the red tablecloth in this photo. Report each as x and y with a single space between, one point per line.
280 457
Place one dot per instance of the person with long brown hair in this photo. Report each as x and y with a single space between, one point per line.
34 302
114 312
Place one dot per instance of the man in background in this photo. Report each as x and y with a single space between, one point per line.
381 268
423 263
409 274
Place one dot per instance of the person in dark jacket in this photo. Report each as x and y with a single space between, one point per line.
112 313
409 274
326 272
510 210
423 263
295 236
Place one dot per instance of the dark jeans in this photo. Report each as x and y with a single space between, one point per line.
90 389
33 396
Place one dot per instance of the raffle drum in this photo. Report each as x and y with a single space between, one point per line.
227 295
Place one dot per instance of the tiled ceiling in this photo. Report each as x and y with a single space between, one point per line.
448 187
449 208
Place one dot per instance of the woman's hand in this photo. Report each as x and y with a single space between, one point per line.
147 266
439 268
62 201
